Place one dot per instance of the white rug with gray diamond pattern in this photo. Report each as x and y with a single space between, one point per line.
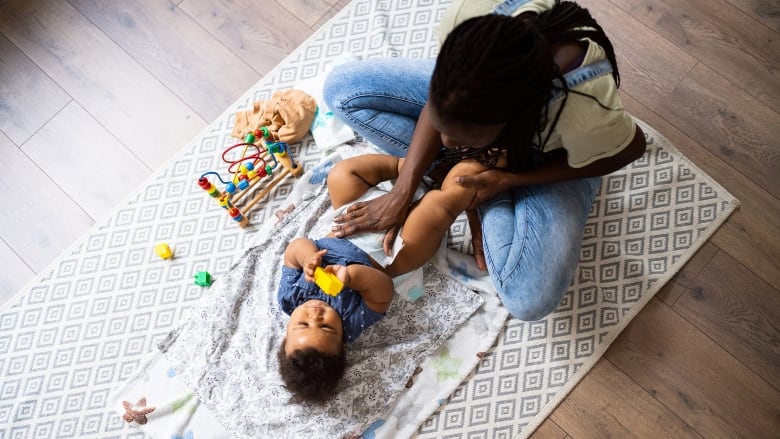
87 322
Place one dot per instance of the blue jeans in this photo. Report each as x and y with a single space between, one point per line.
532 235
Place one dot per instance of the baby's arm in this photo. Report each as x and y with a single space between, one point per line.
374 286
298 255
430 219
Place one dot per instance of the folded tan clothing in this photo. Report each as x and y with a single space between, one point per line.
288 115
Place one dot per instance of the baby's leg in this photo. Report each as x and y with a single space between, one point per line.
430 219
351 178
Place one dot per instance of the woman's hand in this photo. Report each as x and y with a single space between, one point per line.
488 184
384 213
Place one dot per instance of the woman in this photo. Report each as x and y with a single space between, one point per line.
533 81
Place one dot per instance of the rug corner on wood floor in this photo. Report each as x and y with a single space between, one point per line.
88 320
647 221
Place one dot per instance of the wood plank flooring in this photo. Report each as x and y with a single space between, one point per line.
703 358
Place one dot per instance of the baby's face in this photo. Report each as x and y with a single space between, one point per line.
314 324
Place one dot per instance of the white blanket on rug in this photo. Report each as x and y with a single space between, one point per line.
225 350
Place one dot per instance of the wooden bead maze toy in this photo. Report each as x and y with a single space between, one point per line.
251 171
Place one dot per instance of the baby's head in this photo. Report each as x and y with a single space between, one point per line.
312 358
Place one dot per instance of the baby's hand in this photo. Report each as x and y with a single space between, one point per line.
340 271
313 262
331 279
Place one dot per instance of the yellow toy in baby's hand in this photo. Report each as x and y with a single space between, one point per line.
328 282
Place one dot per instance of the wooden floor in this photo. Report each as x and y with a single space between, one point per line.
95 94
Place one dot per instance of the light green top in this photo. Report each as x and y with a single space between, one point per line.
587 131
461 10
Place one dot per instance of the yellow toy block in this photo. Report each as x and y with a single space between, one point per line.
163 250
328 282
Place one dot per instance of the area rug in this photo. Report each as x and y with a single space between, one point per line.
88 321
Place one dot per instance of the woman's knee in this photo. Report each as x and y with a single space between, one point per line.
533 291
530 305
352 79
337 86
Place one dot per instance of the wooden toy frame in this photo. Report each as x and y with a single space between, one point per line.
247 177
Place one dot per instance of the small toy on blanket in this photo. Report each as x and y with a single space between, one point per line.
328 282
267 129
137 412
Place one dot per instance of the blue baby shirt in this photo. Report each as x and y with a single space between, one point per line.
294 289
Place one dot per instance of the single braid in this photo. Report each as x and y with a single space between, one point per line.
567 21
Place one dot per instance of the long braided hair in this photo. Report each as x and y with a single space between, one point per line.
499 69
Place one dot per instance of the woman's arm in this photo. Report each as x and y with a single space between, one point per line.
491 182
388 212
426 142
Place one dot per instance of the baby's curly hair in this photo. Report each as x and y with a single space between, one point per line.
309 374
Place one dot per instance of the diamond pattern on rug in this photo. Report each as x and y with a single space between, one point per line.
88 320
646 218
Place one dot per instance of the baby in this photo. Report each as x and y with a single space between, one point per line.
312 357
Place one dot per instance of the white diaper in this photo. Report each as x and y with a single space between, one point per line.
410 285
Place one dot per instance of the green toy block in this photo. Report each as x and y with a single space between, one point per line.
203 278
